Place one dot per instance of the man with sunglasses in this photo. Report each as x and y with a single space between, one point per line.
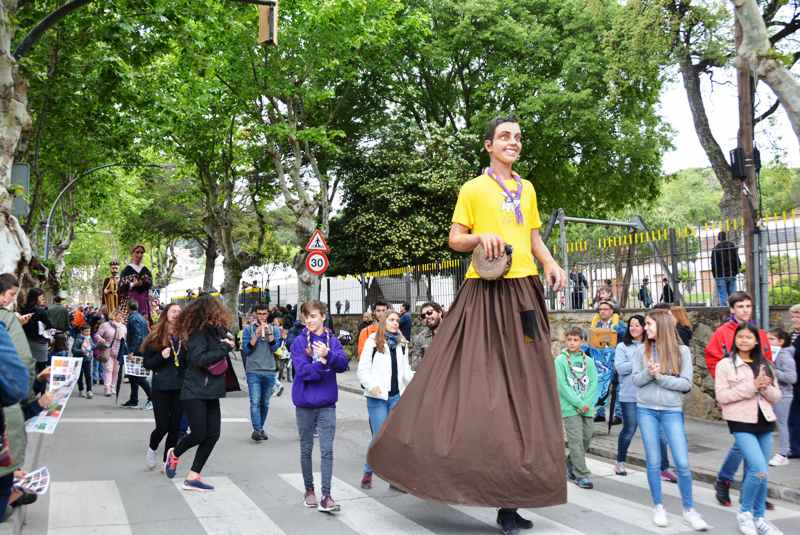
431 314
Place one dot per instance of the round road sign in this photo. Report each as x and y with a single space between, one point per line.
317 263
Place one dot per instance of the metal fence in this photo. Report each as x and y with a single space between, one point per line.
640 268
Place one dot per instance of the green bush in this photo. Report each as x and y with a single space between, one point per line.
784 295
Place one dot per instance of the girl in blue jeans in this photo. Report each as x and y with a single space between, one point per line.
384 371
662 372
746 388
623 364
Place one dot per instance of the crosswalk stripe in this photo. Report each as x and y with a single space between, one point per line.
702 495
74 512
361 513
634 513
542 524
228 510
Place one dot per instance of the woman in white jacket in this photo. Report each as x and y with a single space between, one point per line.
384 372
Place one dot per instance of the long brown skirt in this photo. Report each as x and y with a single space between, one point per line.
480 423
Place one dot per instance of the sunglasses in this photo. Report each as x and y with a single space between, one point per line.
428 313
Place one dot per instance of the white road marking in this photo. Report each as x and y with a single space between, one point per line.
361 513
541 524
86 508
228 510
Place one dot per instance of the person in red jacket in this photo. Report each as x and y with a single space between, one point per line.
721 343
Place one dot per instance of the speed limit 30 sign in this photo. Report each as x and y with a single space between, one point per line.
317 263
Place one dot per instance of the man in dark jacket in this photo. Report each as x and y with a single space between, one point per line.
138 328
58 315
667 293
725 266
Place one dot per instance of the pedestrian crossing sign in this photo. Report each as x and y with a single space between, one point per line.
317 243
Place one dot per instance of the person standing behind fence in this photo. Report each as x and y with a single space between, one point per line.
667 293
644 293
579 285
725 265
384 372
786 374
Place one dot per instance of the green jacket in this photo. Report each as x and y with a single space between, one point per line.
15 421
576 388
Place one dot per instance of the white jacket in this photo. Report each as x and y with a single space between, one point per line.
377 371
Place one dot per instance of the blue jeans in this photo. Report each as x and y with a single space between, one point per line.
725 287
378 410
731 464
670 423
756 450
629 426
323 420
260 386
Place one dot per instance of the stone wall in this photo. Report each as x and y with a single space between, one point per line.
700 401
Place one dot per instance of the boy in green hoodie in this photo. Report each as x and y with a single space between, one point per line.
576 376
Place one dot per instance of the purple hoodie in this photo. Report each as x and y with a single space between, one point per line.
315 384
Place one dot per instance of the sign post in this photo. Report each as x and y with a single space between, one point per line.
317 262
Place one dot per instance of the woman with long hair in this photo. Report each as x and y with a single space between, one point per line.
165 354
684 324
37 326
746 388
623 363
383 371
203 328
662 372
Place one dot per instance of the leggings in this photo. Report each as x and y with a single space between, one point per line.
205 420
6 483
167 413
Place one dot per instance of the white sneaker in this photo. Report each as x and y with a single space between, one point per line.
150 459
619 469
660 516
746 524
778 460
694 519
765 528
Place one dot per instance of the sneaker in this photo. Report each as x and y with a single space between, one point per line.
723 492
669 475
366 481
310 499
765 528
616 421
570 471
171 464
619 469
197 484
694 519
89 394
108 394
769 506
584 483
660 516
778 460
256 436
130 404
746 524
279 390
150 458
264 435
148 405
80 393
599 418
327 505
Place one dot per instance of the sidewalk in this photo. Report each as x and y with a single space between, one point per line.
708 445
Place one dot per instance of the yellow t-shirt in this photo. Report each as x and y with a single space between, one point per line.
482 207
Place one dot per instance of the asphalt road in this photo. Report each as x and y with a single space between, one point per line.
101 486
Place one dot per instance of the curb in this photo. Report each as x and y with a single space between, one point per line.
775 490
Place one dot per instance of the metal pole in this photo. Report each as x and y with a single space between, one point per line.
673 254
279 295
329 294
562 241
763 253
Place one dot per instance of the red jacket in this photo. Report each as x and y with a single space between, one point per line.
724 335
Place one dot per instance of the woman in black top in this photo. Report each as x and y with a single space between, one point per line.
36 305
165 354
683 324
202 327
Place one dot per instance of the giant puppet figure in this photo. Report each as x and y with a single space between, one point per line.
110 296
480 424
135 283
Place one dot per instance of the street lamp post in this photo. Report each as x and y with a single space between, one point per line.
75 179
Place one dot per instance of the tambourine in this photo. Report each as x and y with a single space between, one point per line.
489 269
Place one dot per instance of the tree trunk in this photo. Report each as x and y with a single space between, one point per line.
762 59
211 261
230 286
731 203
15 248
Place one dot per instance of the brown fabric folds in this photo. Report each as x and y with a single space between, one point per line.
480 423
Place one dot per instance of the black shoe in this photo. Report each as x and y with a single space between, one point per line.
599 418
617 421
723 492
256 436
522 523
570 471
264 435
27 498
507 523
769 506
793 455
130 404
